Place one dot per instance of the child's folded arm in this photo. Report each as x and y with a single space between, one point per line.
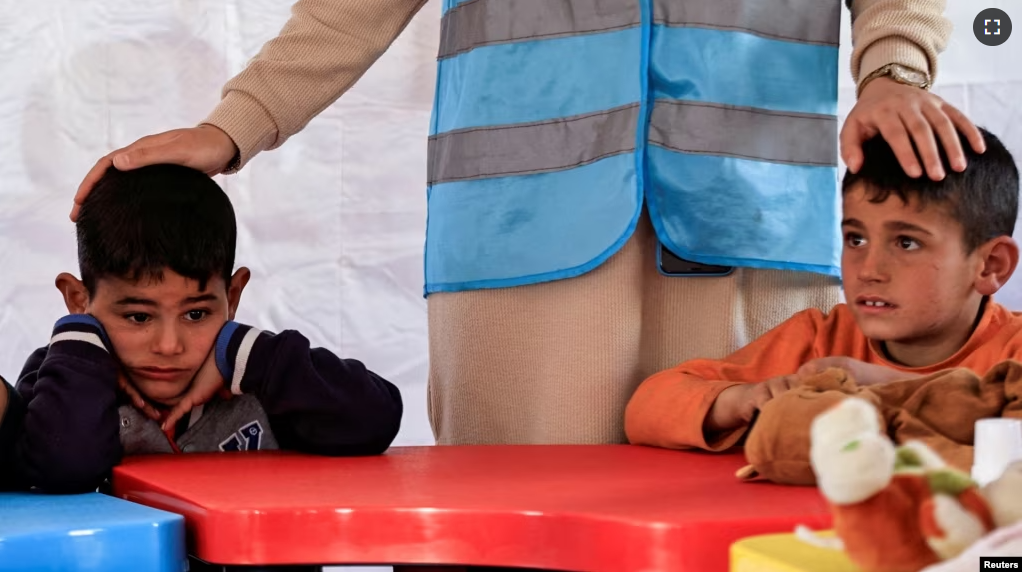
670 409
316 402
70 440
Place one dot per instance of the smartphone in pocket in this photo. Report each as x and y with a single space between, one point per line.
670 265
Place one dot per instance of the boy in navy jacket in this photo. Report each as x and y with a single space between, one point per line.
149 359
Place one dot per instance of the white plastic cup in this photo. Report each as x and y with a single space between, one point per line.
997 443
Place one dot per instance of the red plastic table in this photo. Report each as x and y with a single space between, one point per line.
614 508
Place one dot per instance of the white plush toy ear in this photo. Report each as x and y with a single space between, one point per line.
852 459
851 418
959 527
1005 496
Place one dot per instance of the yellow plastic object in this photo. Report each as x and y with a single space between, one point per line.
787 553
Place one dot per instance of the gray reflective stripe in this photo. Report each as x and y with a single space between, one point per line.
809 21
483 22
778 136
528 148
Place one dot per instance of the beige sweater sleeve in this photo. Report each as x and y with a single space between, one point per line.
907 32
322 51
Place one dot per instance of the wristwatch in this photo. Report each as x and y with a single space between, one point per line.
900 73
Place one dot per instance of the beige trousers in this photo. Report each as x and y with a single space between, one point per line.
556 363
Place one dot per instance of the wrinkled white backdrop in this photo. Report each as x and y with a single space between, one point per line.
332 224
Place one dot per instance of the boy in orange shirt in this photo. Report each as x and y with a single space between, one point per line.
921 259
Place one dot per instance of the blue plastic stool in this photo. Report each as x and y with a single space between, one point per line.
86 533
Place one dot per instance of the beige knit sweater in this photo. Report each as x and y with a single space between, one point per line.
327 45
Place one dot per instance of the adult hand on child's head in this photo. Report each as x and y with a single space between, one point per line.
864 373
904 116
137 401
207 383
204 148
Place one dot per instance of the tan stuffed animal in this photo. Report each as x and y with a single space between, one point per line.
900 509
939 410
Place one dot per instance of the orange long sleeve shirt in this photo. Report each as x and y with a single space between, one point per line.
668 409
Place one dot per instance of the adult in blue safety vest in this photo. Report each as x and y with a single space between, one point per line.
569 139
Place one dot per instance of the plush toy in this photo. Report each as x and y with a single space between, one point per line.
939 410
900 508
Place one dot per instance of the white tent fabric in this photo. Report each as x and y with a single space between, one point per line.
332 224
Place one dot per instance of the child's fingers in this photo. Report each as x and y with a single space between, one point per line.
748 413
761 395
808 368
779 385
176 413
151 412
816 366
136 398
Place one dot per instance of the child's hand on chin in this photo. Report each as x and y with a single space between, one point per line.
207 383
864 373
137 401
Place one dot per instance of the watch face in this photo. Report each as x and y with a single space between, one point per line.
909 75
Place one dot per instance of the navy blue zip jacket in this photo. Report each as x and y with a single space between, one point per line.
77 425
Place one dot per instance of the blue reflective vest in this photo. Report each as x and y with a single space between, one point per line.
556 121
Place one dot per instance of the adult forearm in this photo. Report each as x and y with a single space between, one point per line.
907 32
320 53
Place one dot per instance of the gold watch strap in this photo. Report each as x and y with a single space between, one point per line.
898 73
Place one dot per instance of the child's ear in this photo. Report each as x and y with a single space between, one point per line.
76 297
999 257
234 290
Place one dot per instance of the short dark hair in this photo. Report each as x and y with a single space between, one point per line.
984 198
134 224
